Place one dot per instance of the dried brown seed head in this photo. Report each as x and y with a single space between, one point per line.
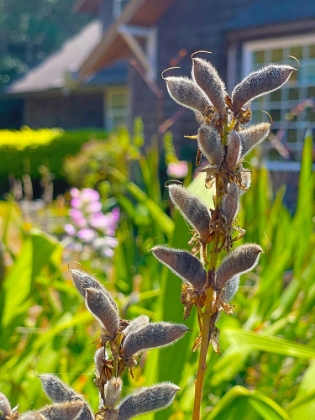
231 203
157 334
183 264
56 390
234 149
82 281
239 261
207 77
187 93
210 144
112 391
259 83
153 398
252 136
5 407
100 306
65 411
192 209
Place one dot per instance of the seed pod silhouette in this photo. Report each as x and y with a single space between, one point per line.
137 323
56 390
260 82
65 411
231 203
207 77
82 281
5 407
112 391
148 399
231 288
210 144
100 306
187 93
239 261
192 209
234 150
183 264
157 334
252 136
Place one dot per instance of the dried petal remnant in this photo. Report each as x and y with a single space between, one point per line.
252 136
210 144
158 334
242 259
100 306
192 209
259 83
187 93
153 398
183 264
207 77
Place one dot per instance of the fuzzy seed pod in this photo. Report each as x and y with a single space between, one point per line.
100 306
56 390
32 415
210 144
99 360
136 324
65 411
231 203
239 261
157 334
153 398
5 407
252 136
207 77
234 150
183 264
112 391
231 288
187 93
192 209
82 281
259 83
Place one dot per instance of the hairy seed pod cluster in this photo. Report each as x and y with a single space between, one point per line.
183 264
230 203
55 389
147 399
207 77
192 209
259 83
157 334
239 261
210 144
187 93
234 150
101 307
64 411
252 136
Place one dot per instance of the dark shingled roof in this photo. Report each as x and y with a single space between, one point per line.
64 64
269 12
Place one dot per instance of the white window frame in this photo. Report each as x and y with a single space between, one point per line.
250 47
109 113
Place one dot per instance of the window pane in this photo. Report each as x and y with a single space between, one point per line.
277 55
294 94
276 96
312 51
275 114
119 101
296 52
291 136
259 57
311 92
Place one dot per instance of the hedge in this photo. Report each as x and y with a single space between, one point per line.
25 150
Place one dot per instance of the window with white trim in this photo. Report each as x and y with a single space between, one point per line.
117 107
292 107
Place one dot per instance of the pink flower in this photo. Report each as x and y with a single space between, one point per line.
86 235
88 195
177 169
69 229
75 192
94 207
77 217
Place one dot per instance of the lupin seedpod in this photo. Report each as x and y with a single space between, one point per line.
157 334
148 399
100 306
210 144
112 391
192 209
234 150
65 411
55 389
136 324
231 288
5 407
231 203
82 281
187 93
183 264
259 83
207 77
252 136
239 261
